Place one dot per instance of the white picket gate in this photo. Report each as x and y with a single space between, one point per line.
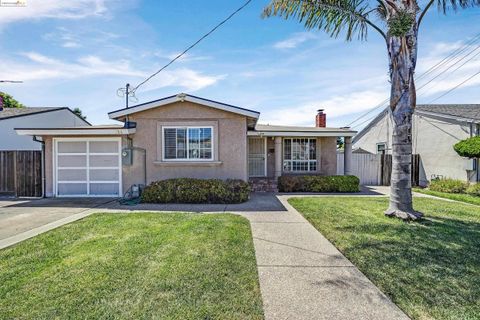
367 167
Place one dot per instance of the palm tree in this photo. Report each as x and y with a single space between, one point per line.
397 22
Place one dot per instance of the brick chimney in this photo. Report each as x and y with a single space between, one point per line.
320 119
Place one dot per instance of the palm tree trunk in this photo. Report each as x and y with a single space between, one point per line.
403 55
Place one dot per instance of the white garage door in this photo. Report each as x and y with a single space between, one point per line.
88 167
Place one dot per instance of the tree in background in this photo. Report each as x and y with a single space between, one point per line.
79 113
7 101
398 23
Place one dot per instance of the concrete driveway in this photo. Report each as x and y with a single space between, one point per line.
17 216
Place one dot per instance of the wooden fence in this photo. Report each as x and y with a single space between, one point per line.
376 169
21 173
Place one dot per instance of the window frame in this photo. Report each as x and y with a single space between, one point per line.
384 144
310 161
188 159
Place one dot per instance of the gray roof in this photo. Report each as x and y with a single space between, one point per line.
467 111
18 112
464 111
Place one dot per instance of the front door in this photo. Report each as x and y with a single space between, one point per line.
256 157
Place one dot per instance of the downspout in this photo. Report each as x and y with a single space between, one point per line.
44 181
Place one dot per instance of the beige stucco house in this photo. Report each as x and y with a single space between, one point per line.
435 129
182 136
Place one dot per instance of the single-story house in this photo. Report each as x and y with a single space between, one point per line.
41 117
436 128
182 136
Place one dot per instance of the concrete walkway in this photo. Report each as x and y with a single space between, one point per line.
303 276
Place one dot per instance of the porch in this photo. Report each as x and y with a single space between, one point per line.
274 151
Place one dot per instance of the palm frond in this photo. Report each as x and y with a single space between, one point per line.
444 5
332 16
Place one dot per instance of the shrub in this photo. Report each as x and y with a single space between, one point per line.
448 185
474 189
318 184
469 148
187 190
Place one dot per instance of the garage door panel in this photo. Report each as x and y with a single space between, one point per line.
72 147
104 188
104 175
88 167
104 161
72 189
72 161
72 174
103 147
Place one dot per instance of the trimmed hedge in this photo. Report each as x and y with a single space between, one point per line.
318 184
448 185
188 190
469 148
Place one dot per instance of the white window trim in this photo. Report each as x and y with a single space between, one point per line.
380 144
308 153
55 168
212 158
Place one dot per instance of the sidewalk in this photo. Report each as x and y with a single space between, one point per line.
303 276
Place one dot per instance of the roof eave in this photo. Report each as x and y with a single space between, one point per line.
73 132
302 133
180 98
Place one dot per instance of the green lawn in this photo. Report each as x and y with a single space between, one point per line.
430 269
134 266
452 196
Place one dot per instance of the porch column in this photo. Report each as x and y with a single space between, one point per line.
347 156
278 157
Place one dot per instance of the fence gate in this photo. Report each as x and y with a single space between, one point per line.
365 166
21 173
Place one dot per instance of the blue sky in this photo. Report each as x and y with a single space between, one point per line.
77 53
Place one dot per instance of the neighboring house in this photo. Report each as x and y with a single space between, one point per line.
182 136
11 118
436 128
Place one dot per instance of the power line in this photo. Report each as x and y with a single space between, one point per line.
453 71
451 55
192 45
457 86
452 65
439 64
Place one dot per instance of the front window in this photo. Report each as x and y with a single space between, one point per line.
187 143
299 154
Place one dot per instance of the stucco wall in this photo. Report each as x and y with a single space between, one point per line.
379 133
48 166
328 155
10 140
229 135
433 138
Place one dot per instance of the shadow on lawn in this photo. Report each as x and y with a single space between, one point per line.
435 261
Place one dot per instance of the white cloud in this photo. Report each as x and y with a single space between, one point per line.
334 107
186 78
58 9
294 40
39 67
449 73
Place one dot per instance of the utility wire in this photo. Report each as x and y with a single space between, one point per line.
456 87
452 55
453 71
192 45
439 64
